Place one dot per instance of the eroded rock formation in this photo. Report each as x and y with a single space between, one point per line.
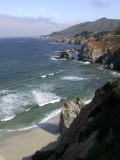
65 55
70 110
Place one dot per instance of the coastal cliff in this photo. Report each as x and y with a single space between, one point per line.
102 47
95 133
105 50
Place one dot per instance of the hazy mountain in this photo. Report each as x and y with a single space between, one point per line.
99 25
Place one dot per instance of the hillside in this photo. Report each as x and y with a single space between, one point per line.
99 25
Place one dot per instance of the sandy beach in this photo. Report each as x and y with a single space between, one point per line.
20 145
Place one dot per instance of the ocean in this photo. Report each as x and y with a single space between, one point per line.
34 85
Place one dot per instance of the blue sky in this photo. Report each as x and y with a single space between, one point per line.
36 17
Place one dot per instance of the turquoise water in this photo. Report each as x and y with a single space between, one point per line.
34 86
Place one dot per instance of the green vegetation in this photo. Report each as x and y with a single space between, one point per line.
97 35
116 40
115 80
85 34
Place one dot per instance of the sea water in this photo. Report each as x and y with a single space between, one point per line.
34 85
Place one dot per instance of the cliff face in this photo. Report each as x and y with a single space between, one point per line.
95 133
105 50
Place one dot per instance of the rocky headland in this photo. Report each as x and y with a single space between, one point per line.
102 48
95 133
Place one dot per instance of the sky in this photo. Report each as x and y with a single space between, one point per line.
25 18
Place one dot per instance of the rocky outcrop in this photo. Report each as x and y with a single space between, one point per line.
65 55
102 51
95 133
111 59
70 110
87 53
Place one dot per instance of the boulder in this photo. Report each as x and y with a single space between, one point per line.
70 111
111 66
66 55
105 66
77 49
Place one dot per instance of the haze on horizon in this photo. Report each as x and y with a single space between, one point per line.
40 17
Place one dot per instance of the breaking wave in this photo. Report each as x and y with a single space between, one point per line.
73 78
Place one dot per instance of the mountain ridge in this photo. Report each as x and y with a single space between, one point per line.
99 25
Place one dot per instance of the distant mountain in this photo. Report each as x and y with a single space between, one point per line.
99 25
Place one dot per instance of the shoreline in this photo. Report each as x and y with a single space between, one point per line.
20 145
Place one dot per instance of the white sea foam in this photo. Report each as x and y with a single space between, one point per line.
12 104
87 101
44 76
7 118
54 59
50 115
73 78
27 109
25 128
115 73
5 92
52 74
84 62
43 98
57 51
21 128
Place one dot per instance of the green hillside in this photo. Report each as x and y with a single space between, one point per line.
99 25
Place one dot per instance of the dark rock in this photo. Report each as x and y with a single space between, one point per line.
105 67
66 55
76 49
57 57
85 54
70 111
103 61
110 57
71 50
